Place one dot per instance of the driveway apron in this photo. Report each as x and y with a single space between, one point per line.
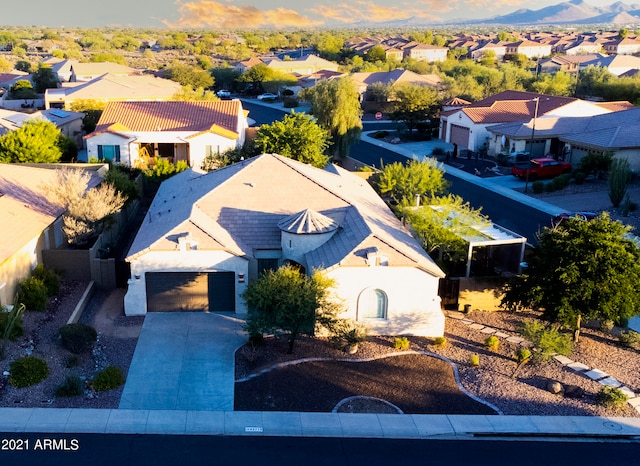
184 360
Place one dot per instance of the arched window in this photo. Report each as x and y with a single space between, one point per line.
372 304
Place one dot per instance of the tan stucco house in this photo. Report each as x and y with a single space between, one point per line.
207 236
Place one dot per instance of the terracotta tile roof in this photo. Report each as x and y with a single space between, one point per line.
513 106
171 116
136 87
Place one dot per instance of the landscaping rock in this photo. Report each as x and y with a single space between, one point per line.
573 391
554 387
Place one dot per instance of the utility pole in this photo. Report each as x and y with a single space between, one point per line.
533 133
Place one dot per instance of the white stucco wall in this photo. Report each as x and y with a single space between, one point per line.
294 246
135 300
197 146
412 297
109 139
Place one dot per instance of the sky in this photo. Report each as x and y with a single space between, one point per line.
244 14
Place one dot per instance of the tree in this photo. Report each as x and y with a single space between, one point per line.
296 136
560 83
44 78
403 183
442 226
22 89
88 212
580 270
23 65
414 104
189 94
336 106
375 53
189 76
287 299
256 75
92 110
36 141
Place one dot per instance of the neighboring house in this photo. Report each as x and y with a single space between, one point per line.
616 64
570 138
110 88
300 66
499 48
9 79
175 130
207 236
626 46
424 52
528 48
567 63
392 78
69 123
75 71
467 127
31 223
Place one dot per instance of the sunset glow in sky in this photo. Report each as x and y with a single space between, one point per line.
234 14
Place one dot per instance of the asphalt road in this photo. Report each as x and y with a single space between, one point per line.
159 450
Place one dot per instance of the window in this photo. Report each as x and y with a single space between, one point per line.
111 153
265 265
372 304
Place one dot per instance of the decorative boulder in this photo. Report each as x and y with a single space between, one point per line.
554 387
573 391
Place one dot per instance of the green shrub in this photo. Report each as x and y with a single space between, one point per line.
607 325
437 151
440 341
579 177
537 187
492 342
401 343
78 338
33 294
561 181
28 371
474 360
49 278
107 379
72 386
611 397
548 341
290 102
123 182
629 339
549 187
72 361
523 355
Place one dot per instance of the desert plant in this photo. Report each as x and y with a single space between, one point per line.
49 278
401 343
72 386
629 339
107 379
474 360
348 332
523 356
611 398
380 134
440 341
72 361
607 325
290 102
77 338
619 178
11 322
27 371
561 181
547 340
492 342
33 294
549 187
437 151
537 187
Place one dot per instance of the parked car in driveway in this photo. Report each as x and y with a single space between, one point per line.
223 94
582 215
540 168
267 96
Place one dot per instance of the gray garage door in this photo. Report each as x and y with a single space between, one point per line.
190 291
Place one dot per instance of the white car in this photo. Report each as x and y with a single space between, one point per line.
223 93
267 96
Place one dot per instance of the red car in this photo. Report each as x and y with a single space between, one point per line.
541 168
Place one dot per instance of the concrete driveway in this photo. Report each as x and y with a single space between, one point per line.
184 360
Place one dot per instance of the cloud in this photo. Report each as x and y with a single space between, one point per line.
361 10
205 13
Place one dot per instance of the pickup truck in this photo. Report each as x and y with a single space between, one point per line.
540 168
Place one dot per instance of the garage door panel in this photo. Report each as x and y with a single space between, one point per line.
190 291
460 136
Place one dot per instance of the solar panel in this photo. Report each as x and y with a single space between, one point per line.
59 113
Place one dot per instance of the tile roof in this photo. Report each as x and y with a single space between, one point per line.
239 207
113 87
192 116
24 207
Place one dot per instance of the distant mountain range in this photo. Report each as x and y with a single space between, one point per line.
572 12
